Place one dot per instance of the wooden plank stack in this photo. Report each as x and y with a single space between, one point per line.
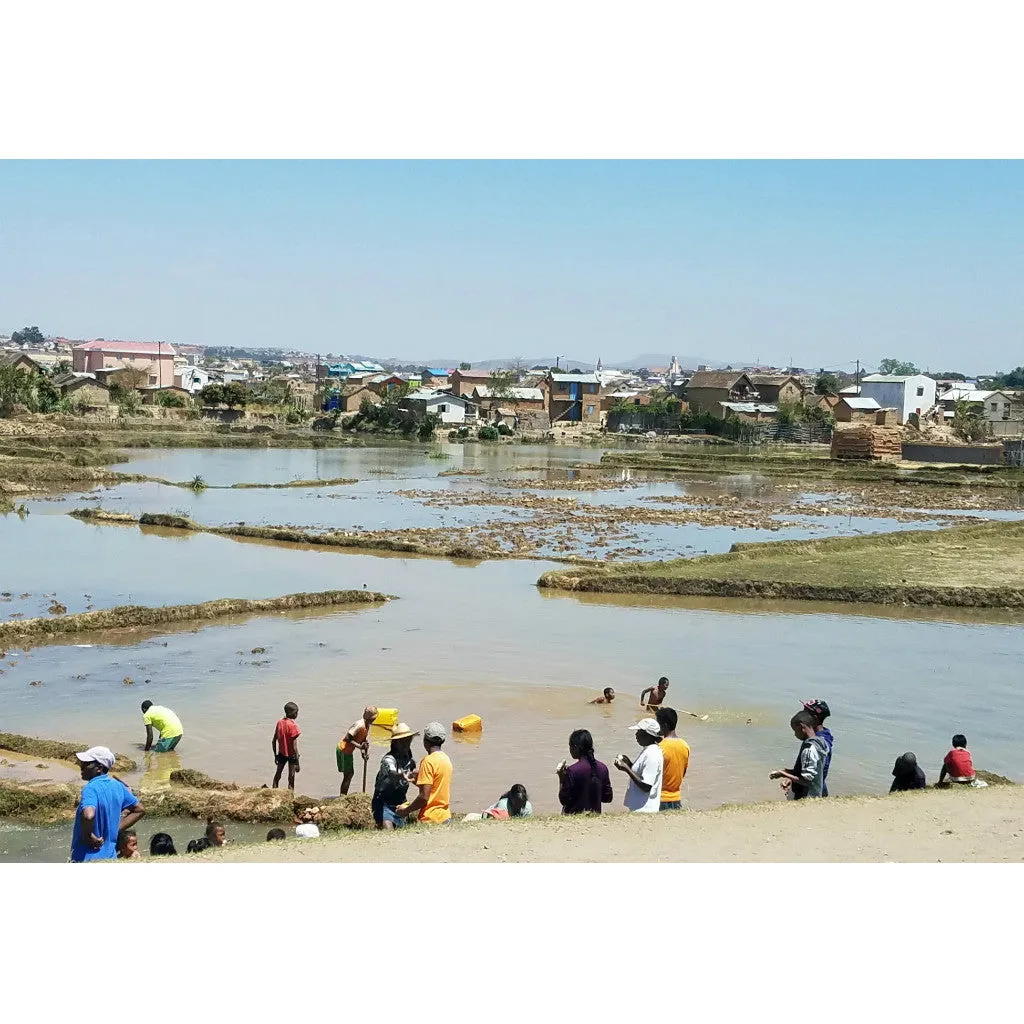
867 443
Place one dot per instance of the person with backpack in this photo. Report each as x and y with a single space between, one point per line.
808 772
585 785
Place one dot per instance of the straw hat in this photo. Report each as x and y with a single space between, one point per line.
402 732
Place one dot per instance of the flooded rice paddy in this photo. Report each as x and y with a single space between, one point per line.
480 638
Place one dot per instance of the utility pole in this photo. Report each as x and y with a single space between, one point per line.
858 376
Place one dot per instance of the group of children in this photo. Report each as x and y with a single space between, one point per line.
162 845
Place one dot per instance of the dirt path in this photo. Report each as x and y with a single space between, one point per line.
953 826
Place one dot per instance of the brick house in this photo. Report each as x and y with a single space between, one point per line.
463 382
778 389
82 388
574 398
154 358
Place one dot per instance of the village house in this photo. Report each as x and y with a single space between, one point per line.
434 378
192 378
21 360
154 358
855 409
517 407
778 389
1004 413
462 382
82 389
384 385
151 393
911 393
352 396
707 391
451 409
824 402
574 398
749 412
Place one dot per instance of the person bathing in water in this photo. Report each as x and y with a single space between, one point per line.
654 696
606 698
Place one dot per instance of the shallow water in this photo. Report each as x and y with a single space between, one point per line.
479 639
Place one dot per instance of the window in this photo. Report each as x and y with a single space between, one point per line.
563 386
995 405
152 378
442 408
590 410
920 392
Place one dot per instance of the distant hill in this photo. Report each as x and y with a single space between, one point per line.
649 359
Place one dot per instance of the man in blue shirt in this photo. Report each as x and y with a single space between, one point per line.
107 805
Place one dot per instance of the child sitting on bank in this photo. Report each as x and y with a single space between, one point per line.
957 764
808 774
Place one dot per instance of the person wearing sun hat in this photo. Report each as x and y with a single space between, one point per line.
645 773
434 779
106 807
397 769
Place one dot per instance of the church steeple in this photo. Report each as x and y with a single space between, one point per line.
599 366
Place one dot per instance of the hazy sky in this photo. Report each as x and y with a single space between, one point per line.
817 262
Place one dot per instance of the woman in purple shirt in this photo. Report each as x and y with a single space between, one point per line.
585 785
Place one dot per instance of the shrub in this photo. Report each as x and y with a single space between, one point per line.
171 400
488 434
504 429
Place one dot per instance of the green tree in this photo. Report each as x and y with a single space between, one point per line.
968 423
171 400
897 367
212 394
236 394
28 335
465 366
501 383
16 388
826 384
1013 380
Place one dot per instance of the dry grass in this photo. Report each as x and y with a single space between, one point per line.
55 750
133 616
977 565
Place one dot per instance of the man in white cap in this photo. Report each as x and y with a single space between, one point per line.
645 773
434 780
107 805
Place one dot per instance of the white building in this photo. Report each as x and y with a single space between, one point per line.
450 408
193 379
913 393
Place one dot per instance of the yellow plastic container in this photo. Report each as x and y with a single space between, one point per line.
387 718
471 723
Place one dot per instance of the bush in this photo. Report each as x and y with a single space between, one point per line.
488 434
171 400
293 416
504 429
462 433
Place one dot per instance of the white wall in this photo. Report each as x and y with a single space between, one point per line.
902 395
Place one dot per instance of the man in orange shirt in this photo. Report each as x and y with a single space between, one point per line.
357 736
434 780
676 752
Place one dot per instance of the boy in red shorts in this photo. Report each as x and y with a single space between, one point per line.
285 745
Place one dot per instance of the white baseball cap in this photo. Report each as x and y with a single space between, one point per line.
648 725
101 755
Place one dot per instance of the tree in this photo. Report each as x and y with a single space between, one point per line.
949 375
171 400
16 388
826 384
465 366
28 335
968 423
501 383
235 394
897 367
1014 379
212 394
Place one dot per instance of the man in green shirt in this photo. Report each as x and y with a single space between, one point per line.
166 723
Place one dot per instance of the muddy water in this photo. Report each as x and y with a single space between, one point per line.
475 639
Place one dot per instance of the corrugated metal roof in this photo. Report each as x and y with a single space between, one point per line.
579 378
890 378
860 403
519 394
748 407
144 348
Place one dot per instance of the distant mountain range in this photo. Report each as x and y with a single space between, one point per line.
647 359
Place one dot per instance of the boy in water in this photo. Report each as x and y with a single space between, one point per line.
606 698
957 764
285 745
820 710
655 694
357 736
128 844
808 773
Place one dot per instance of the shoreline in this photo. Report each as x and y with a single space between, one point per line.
948 826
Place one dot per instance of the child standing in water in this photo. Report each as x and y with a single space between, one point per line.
285 745
808 773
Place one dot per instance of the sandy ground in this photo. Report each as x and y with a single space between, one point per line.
946 826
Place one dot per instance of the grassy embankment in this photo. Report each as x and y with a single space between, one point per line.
808 463
134 616
979 565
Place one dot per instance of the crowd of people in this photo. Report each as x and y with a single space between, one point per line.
405 791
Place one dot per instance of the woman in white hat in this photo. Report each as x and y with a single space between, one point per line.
397 768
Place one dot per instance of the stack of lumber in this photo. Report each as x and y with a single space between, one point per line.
865 443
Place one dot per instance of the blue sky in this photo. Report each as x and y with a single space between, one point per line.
819 262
